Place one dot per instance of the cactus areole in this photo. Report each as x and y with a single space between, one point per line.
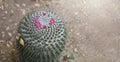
42 37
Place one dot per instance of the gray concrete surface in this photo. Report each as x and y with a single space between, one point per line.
92 28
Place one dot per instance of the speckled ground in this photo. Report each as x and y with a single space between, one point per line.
92 28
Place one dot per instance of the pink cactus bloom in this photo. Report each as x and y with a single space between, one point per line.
44 14
35 19
52 21
38 25
44 27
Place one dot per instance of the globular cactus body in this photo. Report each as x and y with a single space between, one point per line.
42 37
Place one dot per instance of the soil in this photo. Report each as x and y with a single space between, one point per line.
93 33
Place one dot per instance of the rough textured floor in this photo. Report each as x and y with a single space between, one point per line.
93 28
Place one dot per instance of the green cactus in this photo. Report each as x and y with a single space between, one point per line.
42 37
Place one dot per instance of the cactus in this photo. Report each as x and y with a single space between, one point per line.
42 37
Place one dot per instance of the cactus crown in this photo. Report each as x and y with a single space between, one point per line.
44 37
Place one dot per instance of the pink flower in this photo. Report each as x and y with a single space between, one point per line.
44 27
37 25
44 14
52 21
35 19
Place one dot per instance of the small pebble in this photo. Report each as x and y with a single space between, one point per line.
84 1
71 30
6 12
17 37
37 5
77 34
75 50
13 50
4 17
18 34
10 43
7 45
10 34
23 4
11 12
7 28
17 5
15 24
76 13
3 34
